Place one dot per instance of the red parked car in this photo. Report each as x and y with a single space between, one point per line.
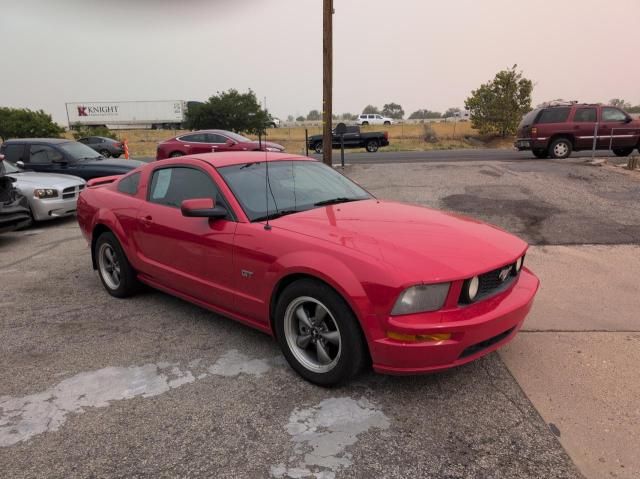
208 141
339 277
557 130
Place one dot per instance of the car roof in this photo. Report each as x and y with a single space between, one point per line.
221 159
52 141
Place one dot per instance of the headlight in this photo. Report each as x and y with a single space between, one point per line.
519 262
270 148
421 298
470 289
45 193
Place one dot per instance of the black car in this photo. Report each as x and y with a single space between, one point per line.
50 155
107 147
14 209
353 138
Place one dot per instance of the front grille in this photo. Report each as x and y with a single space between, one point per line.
486 344
71 191
491 283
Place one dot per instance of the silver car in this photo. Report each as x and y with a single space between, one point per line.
49 195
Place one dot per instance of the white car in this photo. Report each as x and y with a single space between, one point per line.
49 195
374 119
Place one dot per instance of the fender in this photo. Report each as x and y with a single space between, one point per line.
107 218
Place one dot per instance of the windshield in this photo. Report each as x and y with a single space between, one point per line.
236 137
9 168
293 186
78 151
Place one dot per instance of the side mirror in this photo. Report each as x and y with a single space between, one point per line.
628 119
202 208
229 142
19 164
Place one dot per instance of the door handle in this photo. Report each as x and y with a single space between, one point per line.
146 220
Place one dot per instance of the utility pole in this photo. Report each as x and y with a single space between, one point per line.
327 81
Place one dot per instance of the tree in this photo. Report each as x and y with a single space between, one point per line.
25 123
634 109
620 103
393 110
300 118
290 118
229 110
314 115
452 112
424 114
81 131
371 110
498 105
348 117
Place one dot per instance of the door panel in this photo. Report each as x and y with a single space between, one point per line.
584 120
614 130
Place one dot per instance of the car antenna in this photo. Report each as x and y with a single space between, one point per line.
266 185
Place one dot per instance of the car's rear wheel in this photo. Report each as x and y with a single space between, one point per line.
622 151
365 123
116 274
176 154
539 153
105 153
318 333
117 156
317 147
372 146
560 148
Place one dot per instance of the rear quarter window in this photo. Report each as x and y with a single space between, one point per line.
554 115
13 153
129 184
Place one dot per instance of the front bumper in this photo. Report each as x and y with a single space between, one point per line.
476 330
47 209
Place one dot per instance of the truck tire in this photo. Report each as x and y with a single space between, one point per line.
372 146
365 123
105 153
317 147
560 148
622 151
387 123
540 153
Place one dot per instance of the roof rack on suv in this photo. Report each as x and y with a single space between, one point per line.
547 104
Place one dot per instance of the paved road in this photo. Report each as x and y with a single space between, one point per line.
438 155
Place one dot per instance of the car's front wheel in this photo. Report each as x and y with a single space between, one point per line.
105 153
317 147
116 274
622 151
175 154
318 333
387 123
365 123
372 146
560 148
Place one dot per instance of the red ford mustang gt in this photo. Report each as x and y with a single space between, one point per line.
295 249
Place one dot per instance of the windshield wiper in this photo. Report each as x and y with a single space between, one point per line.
335 201
275 214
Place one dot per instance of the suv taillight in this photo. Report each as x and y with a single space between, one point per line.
534 131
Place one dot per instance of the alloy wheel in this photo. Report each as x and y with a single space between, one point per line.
109 266
312 334
561 150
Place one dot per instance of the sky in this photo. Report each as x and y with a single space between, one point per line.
418 53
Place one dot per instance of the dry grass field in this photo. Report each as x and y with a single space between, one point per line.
403 137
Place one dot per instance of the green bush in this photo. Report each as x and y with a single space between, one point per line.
25 123
82 131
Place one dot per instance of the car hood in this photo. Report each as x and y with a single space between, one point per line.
420 244
46 180
115 163
270 144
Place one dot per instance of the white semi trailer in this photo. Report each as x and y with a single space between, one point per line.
128 114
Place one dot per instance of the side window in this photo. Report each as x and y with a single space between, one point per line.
586 115
195 138
86 141
13 153
554 115
215 138
378 117
171 186
613 114
129 184
43 155
371 117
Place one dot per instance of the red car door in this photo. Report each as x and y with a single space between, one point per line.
192 256
584 124
614 131
219 142
195 143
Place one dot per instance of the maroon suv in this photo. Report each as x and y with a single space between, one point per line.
207 141
555 131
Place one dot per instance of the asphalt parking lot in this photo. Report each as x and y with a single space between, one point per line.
152 386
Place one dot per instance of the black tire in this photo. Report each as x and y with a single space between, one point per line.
622 151
176 154
365 123
105 153
128 283
317 147
351 352
117 156
387 123
541 154
372 146
560 148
